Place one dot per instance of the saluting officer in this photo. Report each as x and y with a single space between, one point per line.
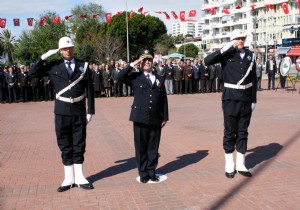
149 113
238 99
71 79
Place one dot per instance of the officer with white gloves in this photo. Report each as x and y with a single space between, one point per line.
238 99
73 85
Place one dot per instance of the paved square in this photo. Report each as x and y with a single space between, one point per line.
191 156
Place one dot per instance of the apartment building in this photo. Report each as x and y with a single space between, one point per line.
191 27
265 23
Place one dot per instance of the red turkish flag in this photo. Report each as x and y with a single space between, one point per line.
108 17
95 15
285 8
67 17
43 20
145 13
270 6
252 6
131 15
56 19
238 7
158 12
174 14
83 16
16 22
120 13
226 11
299 5
182 15
212 10
29 21
2 22
167 16
140 10
193 13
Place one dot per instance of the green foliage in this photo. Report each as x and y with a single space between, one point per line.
164 44
191 50
7 44
34 43
143 32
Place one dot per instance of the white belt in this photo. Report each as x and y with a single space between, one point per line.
70 100
234 86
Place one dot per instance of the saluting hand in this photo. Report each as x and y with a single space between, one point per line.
48 54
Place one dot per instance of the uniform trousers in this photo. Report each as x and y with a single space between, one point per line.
71 135
146 142
237 115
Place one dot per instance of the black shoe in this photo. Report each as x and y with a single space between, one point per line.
154 178
65 188
230 175
144 179
245 173
87 186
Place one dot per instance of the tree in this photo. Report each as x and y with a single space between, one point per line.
190 50
32 44
7 44
143 32
166 42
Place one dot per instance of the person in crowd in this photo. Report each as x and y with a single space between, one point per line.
259 69
271 70
212 72
117 85
238 99
178 76
11 81
2 82
149 114
23 82
159 69
196 74
188 77
203 77
96 76
48 93
73 84
169 76
107 81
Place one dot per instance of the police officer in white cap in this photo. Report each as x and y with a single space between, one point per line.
238 99
71 79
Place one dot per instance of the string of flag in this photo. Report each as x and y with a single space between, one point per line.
108 16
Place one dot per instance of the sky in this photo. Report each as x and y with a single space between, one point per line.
22 9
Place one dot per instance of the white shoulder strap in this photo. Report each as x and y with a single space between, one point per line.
75 82
248 70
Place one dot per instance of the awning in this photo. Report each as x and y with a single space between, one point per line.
282 50
294 51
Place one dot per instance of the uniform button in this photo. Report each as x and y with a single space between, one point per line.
150 107
241 63
69 80
150 101
150 95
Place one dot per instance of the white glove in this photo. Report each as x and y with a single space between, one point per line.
88 118
48 54
227 46
253 106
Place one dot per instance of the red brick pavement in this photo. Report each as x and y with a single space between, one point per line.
191 156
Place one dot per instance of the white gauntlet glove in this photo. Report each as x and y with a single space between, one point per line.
88 118
227 46
48 54
253 106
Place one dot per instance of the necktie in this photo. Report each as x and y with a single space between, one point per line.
70 70
149 80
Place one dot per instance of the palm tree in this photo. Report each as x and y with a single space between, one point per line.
7 43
